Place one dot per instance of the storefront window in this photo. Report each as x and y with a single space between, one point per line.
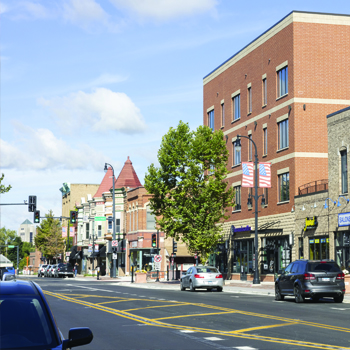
318 248
277 254
342 247
301 248
243 253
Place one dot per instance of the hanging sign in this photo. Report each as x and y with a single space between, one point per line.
344 219
310 223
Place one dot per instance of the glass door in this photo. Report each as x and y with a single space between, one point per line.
244 263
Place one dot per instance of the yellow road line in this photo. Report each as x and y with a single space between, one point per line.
263 327
194 315
201 330
153 307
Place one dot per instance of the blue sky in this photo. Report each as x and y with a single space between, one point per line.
84 82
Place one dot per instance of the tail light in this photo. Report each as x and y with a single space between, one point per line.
58 269
198 276
340 276
218 276
309 277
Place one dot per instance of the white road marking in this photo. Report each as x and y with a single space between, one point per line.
234 296
213 338
244 348
338 308
187 331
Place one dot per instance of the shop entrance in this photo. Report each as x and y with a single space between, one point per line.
318 248
242 261
244 264
343 250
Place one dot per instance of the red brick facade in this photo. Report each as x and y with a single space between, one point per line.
316 48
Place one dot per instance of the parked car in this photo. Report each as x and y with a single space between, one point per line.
311 279
27 322
65 270
11 270
47 270
41 270
208 277
52 270
7 276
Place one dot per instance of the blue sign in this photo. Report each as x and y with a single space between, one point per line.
344 219
241 229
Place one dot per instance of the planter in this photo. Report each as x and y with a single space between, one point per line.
140 277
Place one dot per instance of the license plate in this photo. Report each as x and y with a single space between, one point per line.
326 279
209 282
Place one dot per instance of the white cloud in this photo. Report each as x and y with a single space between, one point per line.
103 110
165 9
27 10
84 13
41 150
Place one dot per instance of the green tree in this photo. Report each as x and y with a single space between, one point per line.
7 237
49 238
3 188
12 252
190 194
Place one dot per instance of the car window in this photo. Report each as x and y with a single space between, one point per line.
301 268
189 271
325 266
294 268
207 270
24 324
289 268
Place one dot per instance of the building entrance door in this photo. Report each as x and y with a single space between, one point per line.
319 248
243 257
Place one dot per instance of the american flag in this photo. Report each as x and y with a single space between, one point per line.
265 175
248 174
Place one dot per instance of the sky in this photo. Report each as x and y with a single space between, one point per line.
85 82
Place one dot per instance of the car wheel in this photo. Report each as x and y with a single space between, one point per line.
182 288
278 295
297 294
192 289
339 299
219 289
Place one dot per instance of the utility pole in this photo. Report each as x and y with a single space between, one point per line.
157 280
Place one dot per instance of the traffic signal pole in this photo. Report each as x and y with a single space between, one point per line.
157 280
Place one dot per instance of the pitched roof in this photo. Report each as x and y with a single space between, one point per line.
127 176
106 183
26 222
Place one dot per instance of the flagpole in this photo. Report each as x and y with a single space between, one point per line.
256 279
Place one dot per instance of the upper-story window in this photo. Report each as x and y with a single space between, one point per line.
344 171
151 219
236 101
283 182
283 135
237 205
250 148
222 114
211 120
236 154
265 141
250 106
282 76
87 232
117 225
110 223
99 230
264 91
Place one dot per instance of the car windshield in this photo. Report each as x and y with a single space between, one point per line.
24 324
323 267
207 270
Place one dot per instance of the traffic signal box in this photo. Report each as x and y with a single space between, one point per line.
37 216
154 241
174 246
32 204
73 217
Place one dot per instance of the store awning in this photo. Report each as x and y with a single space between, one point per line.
73 252
79 255
100 254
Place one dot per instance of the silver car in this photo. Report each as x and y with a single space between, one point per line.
208 277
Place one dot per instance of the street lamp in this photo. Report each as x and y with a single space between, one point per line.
113 237
256 279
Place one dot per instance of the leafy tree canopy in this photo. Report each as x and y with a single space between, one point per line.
7 237
3 188
49 238
190 194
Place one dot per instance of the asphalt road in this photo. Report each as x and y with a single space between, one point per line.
137 318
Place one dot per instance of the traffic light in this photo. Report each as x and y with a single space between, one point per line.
174 246
73 217
154 241
32 204
37 216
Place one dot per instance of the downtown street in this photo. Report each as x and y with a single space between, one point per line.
122 315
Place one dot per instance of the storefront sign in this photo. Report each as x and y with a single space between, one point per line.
240 229
100 218
344 219
134 244
310 223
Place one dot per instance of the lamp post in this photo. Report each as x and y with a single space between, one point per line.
113 237
256 279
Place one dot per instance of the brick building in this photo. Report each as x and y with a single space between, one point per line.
277 91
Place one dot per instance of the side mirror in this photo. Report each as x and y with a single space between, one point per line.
77 337
280 272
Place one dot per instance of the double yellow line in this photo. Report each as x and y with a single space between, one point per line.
235 334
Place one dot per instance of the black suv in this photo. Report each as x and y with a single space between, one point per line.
311 279
64 270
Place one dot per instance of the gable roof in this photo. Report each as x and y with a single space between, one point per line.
127 176
26 222
106 183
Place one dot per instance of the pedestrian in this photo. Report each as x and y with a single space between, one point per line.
76 269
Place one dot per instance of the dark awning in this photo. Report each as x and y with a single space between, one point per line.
103 252
73 252
79 255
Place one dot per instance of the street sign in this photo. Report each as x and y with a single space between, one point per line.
96 248
157 258
67 253
115 256
157 266
114 243
90 248
11 246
